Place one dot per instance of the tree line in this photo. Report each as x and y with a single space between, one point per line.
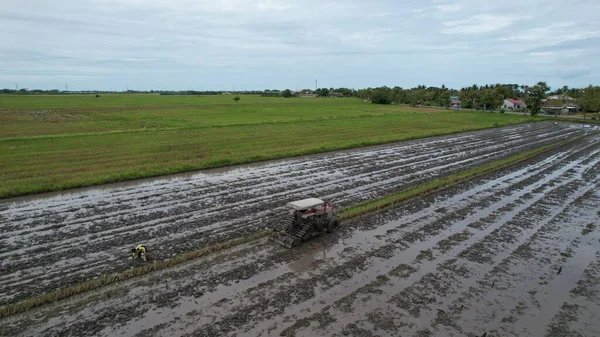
485 97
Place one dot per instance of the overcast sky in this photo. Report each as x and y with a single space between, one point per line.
204 45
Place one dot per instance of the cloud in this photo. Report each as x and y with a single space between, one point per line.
553 34
482 23
279 43
543 54
570 73
449 7
420 10
439 7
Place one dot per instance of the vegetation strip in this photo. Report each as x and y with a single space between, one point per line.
108 279
349 213
441 183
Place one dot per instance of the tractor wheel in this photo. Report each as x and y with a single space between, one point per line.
333 224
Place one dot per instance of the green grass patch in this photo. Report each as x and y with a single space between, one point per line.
142 136
578 120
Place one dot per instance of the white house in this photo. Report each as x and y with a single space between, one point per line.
513 104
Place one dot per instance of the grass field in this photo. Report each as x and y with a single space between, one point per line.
57 142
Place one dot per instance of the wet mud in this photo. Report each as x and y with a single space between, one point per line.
515 253
55 240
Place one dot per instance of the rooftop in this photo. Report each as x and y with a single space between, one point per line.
515 101
305 204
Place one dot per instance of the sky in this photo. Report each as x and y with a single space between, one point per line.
277 44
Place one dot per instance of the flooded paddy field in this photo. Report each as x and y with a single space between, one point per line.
55 240
514 253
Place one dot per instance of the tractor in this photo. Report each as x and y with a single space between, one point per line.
307 218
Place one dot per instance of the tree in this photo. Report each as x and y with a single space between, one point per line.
345 92
286 93
322 92
469 97
381 96
491 98
398 95
365 93
590 100
444 99
236 98
534 96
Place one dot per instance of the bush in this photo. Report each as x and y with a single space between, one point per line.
502 111
236 98
97 95
381 96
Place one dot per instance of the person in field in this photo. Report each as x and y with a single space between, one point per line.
139 251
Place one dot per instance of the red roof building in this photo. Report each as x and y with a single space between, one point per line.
513 104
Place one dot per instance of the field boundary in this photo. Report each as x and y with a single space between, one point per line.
346 214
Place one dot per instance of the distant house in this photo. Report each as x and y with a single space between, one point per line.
334 94
514 104
561 97
307 95
559 104
455 102
559 110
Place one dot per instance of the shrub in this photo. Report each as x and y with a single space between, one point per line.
381 96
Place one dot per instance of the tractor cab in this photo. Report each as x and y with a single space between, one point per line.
309 207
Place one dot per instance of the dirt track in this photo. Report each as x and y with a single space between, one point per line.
513 254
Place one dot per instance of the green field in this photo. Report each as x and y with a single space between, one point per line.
57 142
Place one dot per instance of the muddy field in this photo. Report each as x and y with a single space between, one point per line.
512 254
54 240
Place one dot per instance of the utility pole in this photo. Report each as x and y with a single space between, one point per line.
316 85
17 86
